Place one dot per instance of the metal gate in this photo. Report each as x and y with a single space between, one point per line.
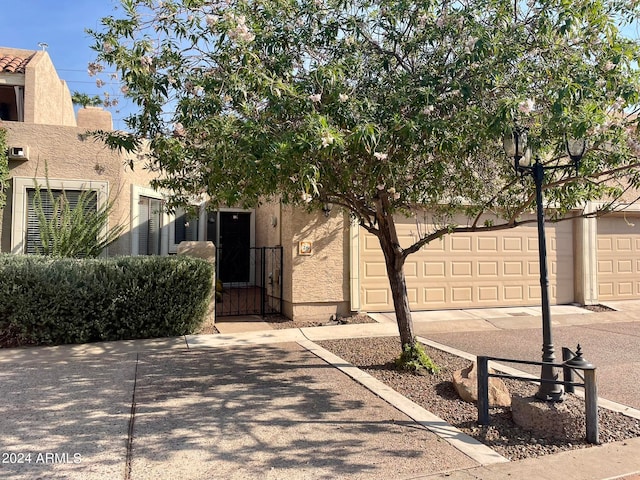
254 281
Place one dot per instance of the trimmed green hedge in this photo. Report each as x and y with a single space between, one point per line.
50 301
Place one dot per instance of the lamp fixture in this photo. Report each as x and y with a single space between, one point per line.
515 146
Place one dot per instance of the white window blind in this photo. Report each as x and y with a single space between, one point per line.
150 223
33 224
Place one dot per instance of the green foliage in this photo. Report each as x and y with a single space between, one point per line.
381 106
52 301
85 100
353 102
415 359
78 231
4 168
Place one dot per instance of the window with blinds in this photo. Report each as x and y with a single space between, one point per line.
150 223
185 227
33 240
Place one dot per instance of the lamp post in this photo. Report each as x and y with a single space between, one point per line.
515 145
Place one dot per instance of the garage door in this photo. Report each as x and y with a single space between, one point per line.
491 269
618 258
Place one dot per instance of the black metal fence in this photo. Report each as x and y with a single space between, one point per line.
572 364
251 281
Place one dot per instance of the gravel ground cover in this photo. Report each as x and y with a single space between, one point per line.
437 394
280 322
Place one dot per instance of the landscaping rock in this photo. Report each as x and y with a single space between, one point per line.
465 382
563 420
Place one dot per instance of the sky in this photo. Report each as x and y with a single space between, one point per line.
61 25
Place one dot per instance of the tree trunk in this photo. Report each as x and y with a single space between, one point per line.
394 262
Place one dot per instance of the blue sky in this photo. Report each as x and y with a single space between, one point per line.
61 24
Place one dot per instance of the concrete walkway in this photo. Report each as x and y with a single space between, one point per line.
273 404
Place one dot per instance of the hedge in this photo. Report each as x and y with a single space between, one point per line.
51 301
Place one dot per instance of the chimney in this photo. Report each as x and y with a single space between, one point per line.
94 118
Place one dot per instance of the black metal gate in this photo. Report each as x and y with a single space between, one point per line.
254 281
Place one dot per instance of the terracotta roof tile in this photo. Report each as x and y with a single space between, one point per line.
13 64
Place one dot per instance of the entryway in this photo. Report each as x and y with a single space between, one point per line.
256 286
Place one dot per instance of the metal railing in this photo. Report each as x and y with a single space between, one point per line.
251 281
575 362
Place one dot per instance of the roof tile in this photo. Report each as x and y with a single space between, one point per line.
13 64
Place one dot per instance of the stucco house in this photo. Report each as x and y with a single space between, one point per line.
44 134
304 265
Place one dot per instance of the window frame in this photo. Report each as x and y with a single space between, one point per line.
20 204
165 219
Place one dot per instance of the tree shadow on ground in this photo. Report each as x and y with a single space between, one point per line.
249 410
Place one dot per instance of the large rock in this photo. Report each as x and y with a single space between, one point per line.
466 383
563 420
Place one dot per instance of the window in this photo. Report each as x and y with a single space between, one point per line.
149 226
24 229
185 227
12 103
32 245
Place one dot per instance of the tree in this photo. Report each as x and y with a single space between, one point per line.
85 100
380 106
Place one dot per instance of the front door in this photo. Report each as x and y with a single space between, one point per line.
234 244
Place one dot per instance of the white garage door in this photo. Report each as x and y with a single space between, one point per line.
618 258
491 269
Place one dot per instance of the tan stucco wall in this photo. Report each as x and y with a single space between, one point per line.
95 118
47 98
268 225
316 285
66 155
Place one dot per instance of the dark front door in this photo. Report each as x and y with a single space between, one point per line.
234 246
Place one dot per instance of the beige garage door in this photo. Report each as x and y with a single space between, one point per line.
491 269
618 258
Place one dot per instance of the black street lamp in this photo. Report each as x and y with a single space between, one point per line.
515 145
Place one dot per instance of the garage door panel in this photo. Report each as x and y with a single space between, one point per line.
605 289
461 269
375 270
624 266
372 244
411 269
460 244
625 288
605 244
461 294
512 244
486 269
514 292
377 296
487 244
618 253
412 294
623 244
434 295
488 294
434 269
512 268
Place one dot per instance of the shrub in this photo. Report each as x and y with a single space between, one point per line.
51 301
79 231
414 358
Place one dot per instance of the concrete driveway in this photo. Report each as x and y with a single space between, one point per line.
270 411
272 405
